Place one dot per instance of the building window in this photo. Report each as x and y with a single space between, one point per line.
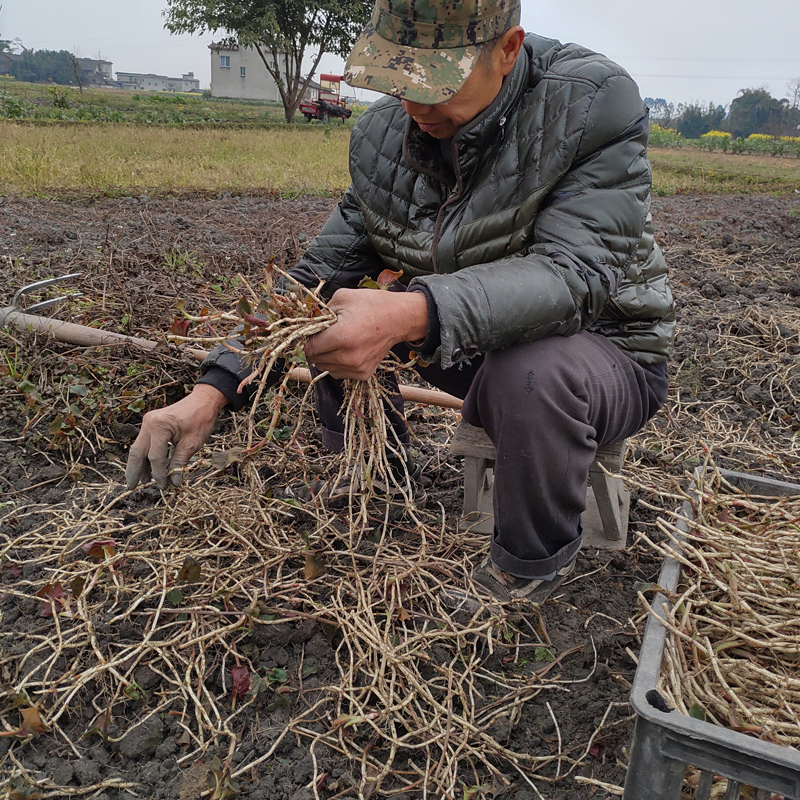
242 72
225 62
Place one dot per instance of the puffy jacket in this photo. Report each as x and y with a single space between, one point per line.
545 227
542 227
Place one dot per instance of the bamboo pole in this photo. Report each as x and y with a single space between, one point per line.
71 333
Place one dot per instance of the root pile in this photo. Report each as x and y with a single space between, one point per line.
733 646
184 589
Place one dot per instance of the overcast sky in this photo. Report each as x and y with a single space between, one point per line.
682 50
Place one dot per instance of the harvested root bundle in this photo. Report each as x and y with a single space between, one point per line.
270 329
733 648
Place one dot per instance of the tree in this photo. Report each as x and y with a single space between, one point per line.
695 120
661 111
755 111
44 65
793 87
281 31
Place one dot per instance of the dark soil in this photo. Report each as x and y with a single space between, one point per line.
67 416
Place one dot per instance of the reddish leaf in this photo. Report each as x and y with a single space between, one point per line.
13 570
100 549
50 593
240 678
598 750
387 278
254 322
179 327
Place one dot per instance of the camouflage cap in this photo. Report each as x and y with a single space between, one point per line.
424 50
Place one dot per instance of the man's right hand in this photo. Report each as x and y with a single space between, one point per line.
185 425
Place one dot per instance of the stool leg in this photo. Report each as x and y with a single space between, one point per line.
607 493
474 477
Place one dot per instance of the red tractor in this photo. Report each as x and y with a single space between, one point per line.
328 103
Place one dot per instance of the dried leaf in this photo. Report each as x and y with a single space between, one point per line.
190 571
403 615
100 549
313 567
240 681
329 631
32 722
224 458
76 586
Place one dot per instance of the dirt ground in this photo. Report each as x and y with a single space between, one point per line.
68 415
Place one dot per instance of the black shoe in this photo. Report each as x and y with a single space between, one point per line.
491 587
504 587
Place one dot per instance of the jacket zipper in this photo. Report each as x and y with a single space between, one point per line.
455 194
453 197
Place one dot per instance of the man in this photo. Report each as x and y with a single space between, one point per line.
507 177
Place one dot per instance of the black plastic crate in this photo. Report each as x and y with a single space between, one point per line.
666 742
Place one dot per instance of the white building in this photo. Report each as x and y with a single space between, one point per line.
96 70
186 83
158 83
142 81
239 72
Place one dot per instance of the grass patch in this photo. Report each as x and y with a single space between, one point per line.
33 102
123 159
692 171
291 160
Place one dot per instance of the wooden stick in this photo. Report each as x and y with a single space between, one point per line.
70 333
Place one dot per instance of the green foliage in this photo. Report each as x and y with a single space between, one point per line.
56 103
60 96
14 107
756 111
664 137
54 66
695 120
274 27
716 140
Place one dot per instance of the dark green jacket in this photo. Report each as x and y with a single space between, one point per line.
545 227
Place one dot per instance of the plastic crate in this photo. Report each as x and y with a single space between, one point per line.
666 742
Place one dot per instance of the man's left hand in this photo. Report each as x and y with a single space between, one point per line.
369 323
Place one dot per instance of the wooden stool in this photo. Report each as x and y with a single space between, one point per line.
605 521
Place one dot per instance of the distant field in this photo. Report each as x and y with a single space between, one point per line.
128 159
697 171
291 160
31 102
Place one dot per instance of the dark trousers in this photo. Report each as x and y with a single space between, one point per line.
546 405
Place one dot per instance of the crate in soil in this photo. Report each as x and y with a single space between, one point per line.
667 742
